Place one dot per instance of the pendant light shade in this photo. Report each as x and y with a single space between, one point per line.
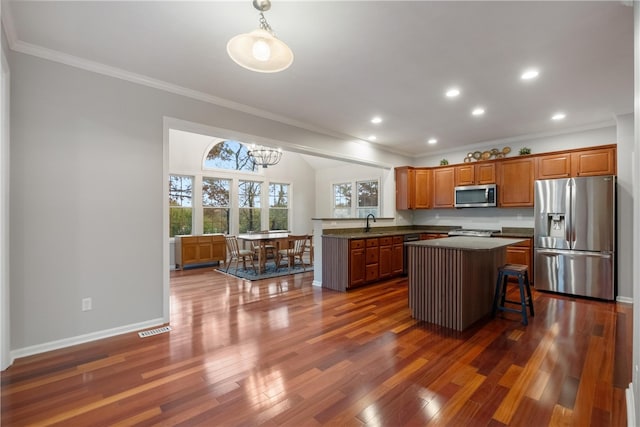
260 50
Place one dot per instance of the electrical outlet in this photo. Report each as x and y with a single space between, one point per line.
86 304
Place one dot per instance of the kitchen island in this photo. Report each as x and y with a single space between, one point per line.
452 280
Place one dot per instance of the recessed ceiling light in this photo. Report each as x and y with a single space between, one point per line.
432 141
376 120
478 111
372 138
558 116
530 74
453 92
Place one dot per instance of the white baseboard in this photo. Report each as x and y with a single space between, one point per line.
625 300
631 408
81 339
316 283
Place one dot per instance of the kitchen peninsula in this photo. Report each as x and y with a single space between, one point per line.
452 280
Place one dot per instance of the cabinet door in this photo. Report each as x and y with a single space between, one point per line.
189 250
219 248
485 173
397 258
205 249
515 186
553 166
443 183
386 261
422 193
465 174
405 189
357 267
521 253
594 162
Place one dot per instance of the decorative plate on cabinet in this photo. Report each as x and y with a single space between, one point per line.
485 155
476 155
506 150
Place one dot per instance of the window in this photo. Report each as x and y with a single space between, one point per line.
180 205
342 200
278 206
215 205
367 198
231 155
249 206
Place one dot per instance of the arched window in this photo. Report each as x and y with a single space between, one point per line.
232 155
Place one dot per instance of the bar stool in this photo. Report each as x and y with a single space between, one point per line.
522 273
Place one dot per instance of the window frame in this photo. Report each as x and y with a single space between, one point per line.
355 208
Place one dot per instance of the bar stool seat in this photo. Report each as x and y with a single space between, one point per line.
522 273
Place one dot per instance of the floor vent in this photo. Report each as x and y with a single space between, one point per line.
156 331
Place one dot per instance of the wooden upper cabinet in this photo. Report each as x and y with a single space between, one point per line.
515 182
553 166
443 184
594 162
422 193
465 174
405 189
413 188
474 174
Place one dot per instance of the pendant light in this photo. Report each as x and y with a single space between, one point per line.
260 50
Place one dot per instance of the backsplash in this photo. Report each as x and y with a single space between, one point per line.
478 218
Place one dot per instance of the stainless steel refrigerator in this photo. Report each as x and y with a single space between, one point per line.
574 236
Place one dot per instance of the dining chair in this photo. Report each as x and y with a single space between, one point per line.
268 247
238 254
296 249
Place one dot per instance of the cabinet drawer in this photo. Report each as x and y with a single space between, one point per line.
386 241
357 244
398 240
372 243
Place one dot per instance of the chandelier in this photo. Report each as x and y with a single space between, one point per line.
260 50
265 156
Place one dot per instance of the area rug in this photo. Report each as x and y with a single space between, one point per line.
270 271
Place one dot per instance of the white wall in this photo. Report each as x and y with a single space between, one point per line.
88 194
600 135
5 333
624 206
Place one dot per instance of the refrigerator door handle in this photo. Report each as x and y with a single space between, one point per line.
568 213
569 253
572 213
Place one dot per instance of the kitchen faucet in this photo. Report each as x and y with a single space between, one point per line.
368 228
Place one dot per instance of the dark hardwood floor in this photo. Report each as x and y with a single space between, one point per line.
282 352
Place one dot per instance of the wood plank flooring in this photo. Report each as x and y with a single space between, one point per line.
282 352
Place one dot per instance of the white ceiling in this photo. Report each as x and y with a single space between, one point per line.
357 59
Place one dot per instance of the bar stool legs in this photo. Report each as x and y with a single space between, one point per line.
499 299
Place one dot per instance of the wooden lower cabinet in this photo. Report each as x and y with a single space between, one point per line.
385 257
430 236
372 258
357 263
397 256
194 250
351 262
521 253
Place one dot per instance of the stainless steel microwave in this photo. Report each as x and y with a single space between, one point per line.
476 196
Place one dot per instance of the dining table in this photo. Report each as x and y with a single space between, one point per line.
262 239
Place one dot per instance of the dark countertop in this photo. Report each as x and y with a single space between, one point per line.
358 233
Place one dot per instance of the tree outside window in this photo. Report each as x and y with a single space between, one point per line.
215 205
278 206
230 155
249 206
342 200
368 200
180 205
